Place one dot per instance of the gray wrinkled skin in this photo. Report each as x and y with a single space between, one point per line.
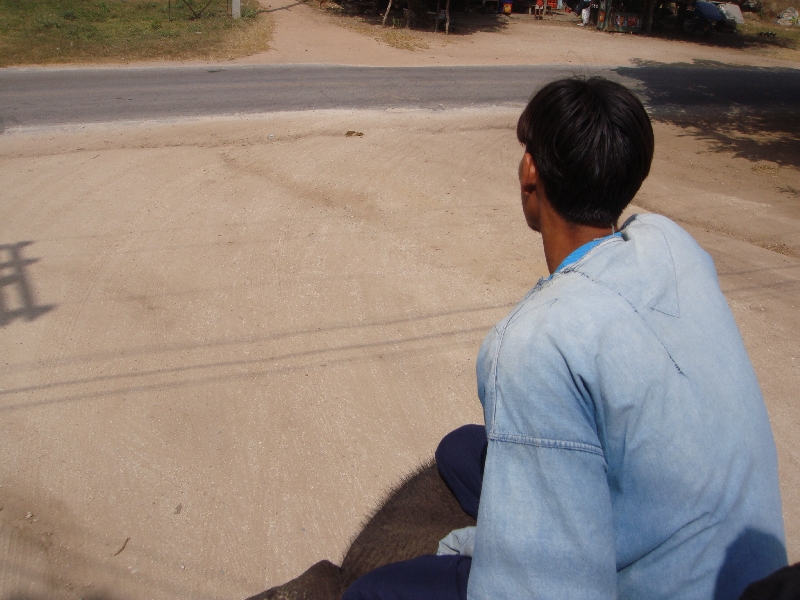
419 512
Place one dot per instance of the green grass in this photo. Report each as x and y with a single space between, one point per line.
789 35
785 44
70 31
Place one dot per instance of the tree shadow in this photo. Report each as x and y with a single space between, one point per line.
469 23
739 40
751 112
461 23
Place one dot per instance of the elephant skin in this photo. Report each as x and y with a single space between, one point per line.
412 519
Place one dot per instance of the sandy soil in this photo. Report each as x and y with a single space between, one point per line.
243 340
224 339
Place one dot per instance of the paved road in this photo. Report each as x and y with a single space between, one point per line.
62 96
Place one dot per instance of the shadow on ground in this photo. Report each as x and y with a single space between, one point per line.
740 40
467 24
460 23
17 300
751 112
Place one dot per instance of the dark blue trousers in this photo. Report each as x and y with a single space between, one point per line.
460 458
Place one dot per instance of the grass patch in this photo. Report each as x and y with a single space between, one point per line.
785 44
74 31
758 36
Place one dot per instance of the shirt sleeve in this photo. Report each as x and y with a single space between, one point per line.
545 523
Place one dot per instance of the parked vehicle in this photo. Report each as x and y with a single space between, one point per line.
707 16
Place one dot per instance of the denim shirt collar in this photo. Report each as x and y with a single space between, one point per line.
582 251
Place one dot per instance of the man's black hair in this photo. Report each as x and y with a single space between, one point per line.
592 143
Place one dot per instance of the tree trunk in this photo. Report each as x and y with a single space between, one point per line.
386 14
447 16
649 9
680 19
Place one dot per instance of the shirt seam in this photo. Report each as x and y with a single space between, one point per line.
569 268
636 312
674 275
527 440
500 335
541 285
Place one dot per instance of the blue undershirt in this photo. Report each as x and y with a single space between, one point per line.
582 251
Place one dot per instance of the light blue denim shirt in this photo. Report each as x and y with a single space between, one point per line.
630 453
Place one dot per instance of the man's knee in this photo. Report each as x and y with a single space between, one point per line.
457 443
364 588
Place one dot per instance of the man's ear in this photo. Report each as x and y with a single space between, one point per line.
528 175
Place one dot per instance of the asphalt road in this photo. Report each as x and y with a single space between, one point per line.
37 97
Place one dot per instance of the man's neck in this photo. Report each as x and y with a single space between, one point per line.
561 238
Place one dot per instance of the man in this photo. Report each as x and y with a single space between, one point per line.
627 451
582 9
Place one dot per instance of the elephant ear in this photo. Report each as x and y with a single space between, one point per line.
323 581
416 514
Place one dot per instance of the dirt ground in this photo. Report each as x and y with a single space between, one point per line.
304 34
224 339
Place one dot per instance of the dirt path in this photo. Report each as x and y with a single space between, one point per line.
242 331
